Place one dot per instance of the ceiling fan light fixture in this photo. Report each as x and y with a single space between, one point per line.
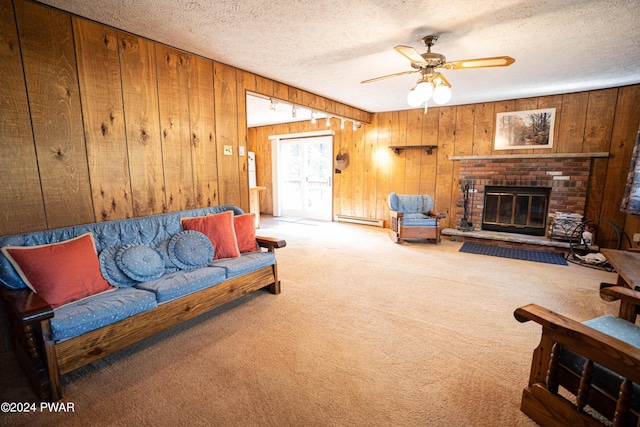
415 98
425 89
441 94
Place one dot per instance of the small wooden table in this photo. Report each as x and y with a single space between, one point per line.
627 264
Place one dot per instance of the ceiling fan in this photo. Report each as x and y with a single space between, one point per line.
432 82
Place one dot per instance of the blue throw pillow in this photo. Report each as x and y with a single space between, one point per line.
140 262
190 249
163 247
110 270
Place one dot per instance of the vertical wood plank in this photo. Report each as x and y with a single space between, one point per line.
370 167
173 104
597 138
572 122
398 161
465 127
384 158
625 129
280 91
357 172
46 39
413 156
140 96
21 204
226 110
263 86
444 174
428 162
103 113
484 128
246 82
204 156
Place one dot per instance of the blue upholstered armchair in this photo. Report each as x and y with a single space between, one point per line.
412 217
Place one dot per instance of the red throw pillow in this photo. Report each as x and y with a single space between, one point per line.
246 232
60 272
219 229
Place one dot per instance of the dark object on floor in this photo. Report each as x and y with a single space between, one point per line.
546 257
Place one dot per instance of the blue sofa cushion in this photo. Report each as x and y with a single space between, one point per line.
606 379
99 310
140 261
110 270
190 249
183 282
246 263
418 219
410 203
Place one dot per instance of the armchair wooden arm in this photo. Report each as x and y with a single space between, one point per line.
629 301
271 243
541 401
26 306
28 317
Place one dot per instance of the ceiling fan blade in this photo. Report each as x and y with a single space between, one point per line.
389 76
496 61
410 53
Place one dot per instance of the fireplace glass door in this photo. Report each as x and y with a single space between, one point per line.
516 209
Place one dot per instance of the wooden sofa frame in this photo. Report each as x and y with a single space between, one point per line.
541 400
398 232
44 361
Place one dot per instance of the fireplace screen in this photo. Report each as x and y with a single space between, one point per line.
516 209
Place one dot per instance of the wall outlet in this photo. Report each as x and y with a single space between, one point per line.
636 237
228 150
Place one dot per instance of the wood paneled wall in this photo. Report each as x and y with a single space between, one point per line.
595 121
97 124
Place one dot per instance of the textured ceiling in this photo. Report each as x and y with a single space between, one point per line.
328 46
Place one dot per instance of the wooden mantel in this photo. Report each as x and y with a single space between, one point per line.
530 156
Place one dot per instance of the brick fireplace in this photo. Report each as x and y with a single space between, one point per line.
567 177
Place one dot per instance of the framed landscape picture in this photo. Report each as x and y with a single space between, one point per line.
525 129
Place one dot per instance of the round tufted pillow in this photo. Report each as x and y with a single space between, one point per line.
190 249
163 247
140 262
110 270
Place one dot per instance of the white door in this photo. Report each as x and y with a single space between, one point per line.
306 172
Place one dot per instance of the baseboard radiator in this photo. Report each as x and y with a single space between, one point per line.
358 220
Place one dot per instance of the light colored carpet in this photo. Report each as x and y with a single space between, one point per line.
366 332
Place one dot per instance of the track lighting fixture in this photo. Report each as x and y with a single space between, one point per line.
294 113
272 106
